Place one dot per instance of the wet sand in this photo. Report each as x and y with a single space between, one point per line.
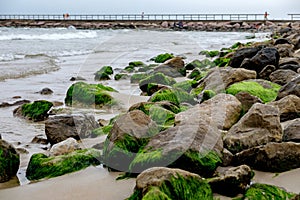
89 184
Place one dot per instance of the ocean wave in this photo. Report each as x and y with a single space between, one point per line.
51 36
10 57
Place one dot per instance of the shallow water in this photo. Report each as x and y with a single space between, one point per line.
32 59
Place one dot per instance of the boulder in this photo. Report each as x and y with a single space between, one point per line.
265 90
46 91
103 73
41 166
289 107
36 111
39 139
285 50
247 100
9 161
162 57
282 41
129 134
241 54
166 183
89 95
173 67
194 144
290 67
67 146
289 60
266 71
157 78
266 56
291 131
60 127
260 125
272 157
282 76
233 181
292 87
218 79
258 191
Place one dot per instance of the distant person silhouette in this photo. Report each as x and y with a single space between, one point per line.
266 15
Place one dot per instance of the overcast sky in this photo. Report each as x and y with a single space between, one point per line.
276 8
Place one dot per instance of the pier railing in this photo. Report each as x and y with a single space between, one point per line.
294 16
138 17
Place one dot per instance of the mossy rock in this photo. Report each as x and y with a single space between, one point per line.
203 164
222 62
135 78
207 94
123 151
121 76
260 191
187 85
176 96
177 187
163 117
101 130
265 90
103 73
158 78
129 69
136 64
196 91
209 53
40 166
161 58
194 64
9 161
146 106
36 111
86 94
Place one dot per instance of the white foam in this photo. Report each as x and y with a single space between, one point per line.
51 36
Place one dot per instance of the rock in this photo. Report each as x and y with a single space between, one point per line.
291 131
129 133
165 24
81 93
162 57
39 140
146 106
166 183
103 73
289 60
241 54
233 181
77 78
46 91
135 78
67 146
282 41
218 79
265 90
290 66
173 67
121 76
260 125
258 191
40 166
285 50
20 102
282 76
36 111
292 87
194 140
272 157
9 161
157 78
227 158
61 127
186 85
153 87
289 107
266 56
247 100
266 71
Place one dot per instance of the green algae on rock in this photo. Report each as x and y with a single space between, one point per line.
260 191
161 58
265 90
36 111
103 73
186 85
81 93
41 166
157 78
209 53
